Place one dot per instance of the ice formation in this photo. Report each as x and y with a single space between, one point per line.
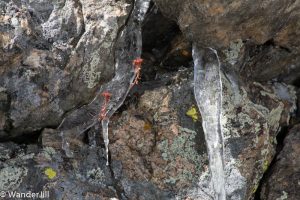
208 95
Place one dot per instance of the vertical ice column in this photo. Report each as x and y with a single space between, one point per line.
208 95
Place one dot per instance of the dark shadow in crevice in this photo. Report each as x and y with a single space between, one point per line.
164 47
164 51
296 82
28 138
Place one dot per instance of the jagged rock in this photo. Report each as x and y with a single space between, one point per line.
283 178
251 119
260 39
164 46
217 23
54 54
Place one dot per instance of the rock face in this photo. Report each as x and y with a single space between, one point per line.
24 169
251 121
157 142
261 38
284 176
54 54
157 151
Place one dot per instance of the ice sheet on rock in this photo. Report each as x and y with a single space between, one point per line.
208 95
128 47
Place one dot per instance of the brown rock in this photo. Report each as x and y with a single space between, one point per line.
283 180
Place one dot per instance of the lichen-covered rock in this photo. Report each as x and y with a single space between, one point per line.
54 55
160 140
157 142
251 119
283 178
27 168
12 177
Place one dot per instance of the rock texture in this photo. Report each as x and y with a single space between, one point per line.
261 38
24 169
156 141
54 55
149 160
251 120
283 179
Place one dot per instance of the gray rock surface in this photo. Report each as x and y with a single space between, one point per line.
54 56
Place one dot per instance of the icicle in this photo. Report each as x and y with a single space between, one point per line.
208 95
105 136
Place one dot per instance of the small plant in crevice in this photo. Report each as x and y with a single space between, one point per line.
137 64
105 114
102 114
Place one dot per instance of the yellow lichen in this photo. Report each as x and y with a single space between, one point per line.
50 173
193 113
147 126
265 165
254 189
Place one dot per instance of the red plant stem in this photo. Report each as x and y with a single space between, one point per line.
137 64
102 114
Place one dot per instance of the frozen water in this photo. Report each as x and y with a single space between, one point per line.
208 95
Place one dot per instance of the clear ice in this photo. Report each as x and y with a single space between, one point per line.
208 95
